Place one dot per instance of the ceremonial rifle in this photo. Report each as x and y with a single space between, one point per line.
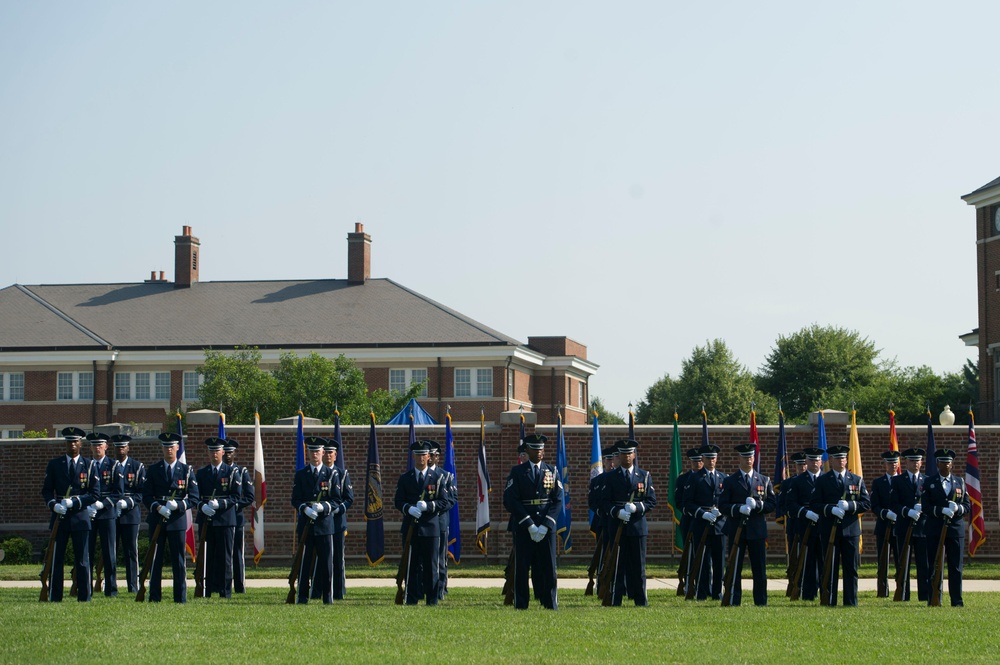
147 563
293 575
404 560
49 553
692 581
937 579
201 565
903 571
609 572
882 582
508 578
795 588
682 569
592 569
730 579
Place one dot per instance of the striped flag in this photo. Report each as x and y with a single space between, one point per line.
780 467
977 525
182 458
520 443
483 485
454 524
595 461
300 445
754 440
676 469
374 527
564 523
260 492
893 441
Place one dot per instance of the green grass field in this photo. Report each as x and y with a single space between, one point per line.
472 626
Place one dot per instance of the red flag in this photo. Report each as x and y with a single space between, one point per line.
893 441
977 526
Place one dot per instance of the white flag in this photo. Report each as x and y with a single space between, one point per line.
260 491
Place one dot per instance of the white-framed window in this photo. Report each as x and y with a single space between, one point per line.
12 386
510 384
11 431
580 395
192 381
74 385
142 386
473 382
400 380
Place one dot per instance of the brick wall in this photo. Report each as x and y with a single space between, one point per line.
22 463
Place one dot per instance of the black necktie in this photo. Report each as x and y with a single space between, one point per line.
420 479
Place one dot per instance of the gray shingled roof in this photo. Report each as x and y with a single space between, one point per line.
282 314
989 185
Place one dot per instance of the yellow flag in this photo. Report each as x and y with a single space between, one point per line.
854 456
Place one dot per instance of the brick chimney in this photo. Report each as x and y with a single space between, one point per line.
186 249
359 255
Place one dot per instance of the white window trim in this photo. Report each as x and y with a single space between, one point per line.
409 380
132 381
76 387
5 387
6 430
473 382
200 383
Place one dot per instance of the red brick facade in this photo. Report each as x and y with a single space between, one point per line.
22 511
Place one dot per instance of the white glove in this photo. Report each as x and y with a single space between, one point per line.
215 504
843 505
99 505
631 508
414 512
716 512
708 517
812 517
838 511
164 512
891 516
59 509
913 514
68 503
422 506
122 505
744 510
207 509
542 532
533 529
92 511
751 503
337 508
948 512
310 513
172 505
319 508
624 515
953 506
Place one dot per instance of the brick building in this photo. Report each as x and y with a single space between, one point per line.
986 199
86 354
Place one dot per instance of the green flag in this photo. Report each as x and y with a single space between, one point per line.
676 468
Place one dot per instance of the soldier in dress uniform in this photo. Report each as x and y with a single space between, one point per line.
798 499
701 503
316 497
885 516
747 496
907 491
69 489
626 498
533 496
133 477
599 523
680 484
111 488
340 527
421 496
169 492
792 532
444 518
246 499
221 488
946 504
840 497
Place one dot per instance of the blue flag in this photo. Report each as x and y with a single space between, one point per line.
412 439
821 438
929 453
595 462
300 446
454 525
340 464
564 523
222 425
780 467
374 527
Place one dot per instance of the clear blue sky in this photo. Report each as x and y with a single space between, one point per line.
640 176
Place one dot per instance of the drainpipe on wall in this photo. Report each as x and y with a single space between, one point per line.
93 398
111 386
552 406
440 389
506 378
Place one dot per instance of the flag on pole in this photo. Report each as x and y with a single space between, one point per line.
564 523
182 458
854 457
300 445
780 467
595 462
754 440
454 524
821 438
631 423
704 426
520 443
374 527
410 441
676 469
222 425
340 463
977 525
929 453
260 492
483 485
893 441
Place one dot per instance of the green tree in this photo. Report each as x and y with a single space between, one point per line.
910 390
817 366
604 416
236 383
711 376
